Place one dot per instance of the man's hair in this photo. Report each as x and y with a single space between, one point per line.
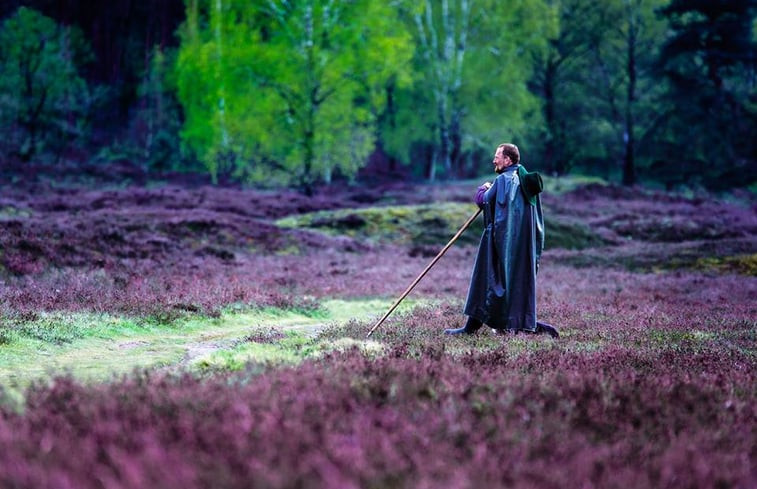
509 149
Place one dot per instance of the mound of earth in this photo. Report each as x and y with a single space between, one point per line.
426 226
120 228
207 226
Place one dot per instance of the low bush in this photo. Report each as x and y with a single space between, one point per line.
612 418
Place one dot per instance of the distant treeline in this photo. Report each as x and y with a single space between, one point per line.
307 91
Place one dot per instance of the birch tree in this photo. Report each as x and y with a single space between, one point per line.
472 74
201 80
306 77
443 51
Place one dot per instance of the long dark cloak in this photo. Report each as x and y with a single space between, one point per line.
502 290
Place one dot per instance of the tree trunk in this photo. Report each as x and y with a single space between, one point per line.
220 72
431 170
444 139
391 114
307 165
553 161
629 173
456 145
312 101
443 47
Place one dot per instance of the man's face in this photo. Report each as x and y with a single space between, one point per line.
501 161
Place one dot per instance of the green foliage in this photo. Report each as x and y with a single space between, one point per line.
7 335
43 102
156 127
51 330
469 93
601 96
280 91
710 63
153 136
58 328
287 351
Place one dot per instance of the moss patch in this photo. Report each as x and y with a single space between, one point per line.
562 233
289 349
10 212
568 183
411 224
427 225
740 264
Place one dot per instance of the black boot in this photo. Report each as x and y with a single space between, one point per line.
542 328
470 327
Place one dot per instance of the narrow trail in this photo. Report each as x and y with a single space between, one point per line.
209 344
173 347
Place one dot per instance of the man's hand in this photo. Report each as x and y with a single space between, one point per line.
479 199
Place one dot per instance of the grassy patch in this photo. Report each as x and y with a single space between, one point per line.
411 224
286 340
59 328
426 225
562 233
568 183
10 212
740 264
98 346
284 352
289 349
420 332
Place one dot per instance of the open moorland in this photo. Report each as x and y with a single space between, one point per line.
182 336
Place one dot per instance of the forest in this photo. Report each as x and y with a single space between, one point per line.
277 93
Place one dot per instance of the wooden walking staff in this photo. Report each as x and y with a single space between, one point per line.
423 274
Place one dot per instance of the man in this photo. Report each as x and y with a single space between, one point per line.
502 291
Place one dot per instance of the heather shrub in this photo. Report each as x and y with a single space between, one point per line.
417 332
650 385
160 295
169 252
265 336
613 418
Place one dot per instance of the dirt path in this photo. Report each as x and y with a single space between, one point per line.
209 344
96 358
